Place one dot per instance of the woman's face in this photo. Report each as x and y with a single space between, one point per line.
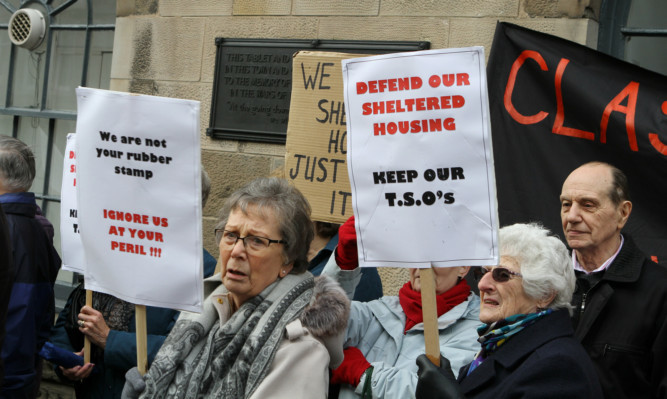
445 278
246 272
501 300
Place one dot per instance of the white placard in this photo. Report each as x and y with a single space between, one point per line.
420 159
70 239
139 197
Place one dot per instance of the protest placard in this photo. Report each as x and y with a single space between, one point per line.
71 247
139 197
316 146
420 160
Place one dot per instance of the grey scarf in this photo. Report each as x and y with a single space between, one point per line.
204 359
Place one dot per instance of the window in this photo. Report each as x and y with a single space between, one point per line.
635 31
37 97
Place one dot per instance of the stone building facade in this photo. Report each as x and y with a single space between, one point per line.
167 48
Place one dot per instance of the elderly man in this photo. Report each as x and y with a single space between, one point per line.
620 300
30 312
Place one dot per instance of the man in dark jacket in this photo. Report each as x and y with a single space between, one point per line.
31 307
620 300
6 280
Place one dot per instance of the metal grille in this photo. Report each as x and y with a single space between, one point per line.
20 27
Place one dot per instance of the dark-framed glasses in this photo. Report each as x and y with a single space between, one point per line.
254 243
499 274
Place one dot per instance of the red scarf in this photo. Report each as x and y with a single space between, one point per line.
411 302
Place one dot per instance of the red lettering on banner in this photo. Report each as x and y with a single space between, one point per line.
655 140
511 81
630 91
558 127
654 258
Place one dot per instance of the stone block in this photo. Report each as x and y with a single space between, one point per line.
249 147
393 278
123 51
158 48
327 8
262 7
435 29
560 8
194 8
229 171
479 31
450 8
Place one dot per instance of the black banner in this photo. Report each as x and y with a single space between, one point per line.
555 105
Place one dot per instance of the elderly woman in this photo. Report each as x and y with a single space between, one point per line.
385 336
267 328
528 349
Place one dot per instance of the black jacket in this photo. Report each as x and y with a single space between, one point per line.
6 279
623 326
542 361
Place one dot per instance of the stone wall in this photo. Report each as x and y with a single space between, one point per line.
167 48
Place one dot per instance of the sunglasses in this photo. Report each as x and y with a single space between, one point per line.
499 274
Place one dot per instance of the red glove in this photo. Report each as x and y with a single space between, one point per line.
347 256
353 367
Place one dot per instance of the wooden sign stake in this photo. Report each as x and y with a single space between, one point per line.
86 340
142 345
430 314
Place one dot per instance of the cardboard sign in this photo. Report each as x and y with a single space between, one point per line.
70 239
139 197
420 160
316 145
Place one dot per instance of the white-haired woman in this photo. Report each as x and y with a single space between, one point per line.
527 344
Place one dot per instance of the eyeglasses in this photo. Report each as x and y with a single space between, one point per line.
254 243
499 274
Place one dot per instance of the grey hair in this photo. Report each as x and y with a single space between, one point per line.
545 263
290 208
205 186
17 164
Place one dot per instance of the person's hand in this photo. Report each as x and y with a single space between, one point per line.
134 384
92 324
353 367
77 373
347 257
436 382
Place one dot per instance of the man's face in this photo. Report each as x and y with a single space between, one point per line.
591 222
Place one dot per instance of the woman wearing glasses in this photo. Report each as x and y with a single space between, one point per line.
268 328
527 344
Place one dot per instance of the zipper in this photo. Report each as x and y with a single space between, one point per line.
583 304
612 348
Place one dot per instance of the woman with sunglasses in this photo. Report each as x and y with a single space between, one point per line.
268 329
527 344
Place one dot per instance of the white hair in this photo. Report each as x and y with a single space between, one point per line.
545 263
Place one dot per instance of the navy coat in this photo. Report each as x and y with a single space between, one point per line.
31 304
542 361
